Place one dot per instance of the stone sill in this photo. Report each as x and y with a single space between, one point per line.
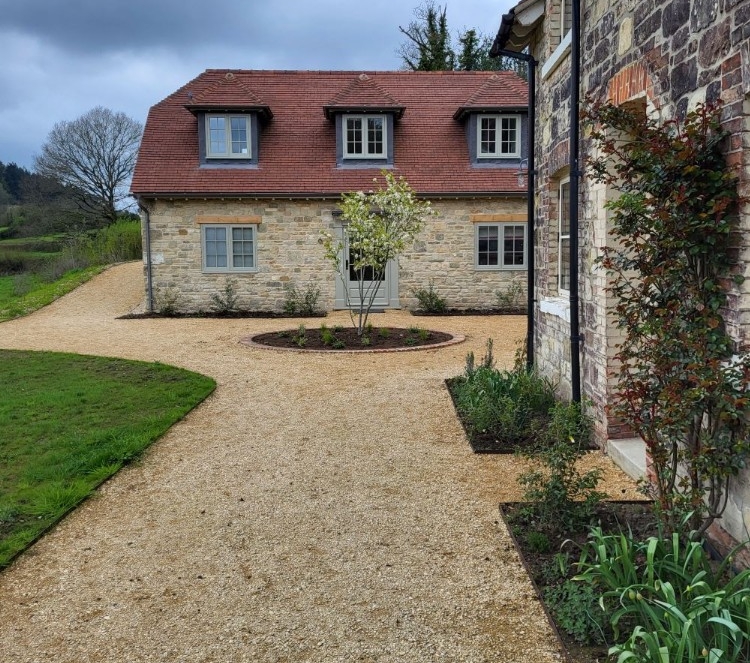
557 56
557 306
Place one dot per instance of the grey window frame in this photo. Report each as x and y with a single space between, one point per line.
498 153
246 118
501 226
228 227
365 155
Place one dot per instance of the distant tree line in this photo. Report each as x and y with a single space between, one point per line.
430 46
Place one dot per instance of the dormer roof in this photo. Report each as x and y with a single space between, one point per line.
497 93
363 95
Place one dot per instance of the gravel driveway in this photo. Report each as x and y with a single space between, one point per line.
314 508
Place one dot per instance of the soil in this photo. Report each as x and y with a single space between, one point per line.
612 517
346 338
222 314
518 310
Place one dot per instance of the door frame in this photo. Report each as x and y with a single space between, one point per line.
387 299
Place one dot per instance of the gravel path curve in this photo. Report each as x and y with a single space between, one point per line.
315 508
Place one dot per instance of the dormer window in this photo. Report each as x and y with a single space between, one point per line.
228 137
498 137
364 137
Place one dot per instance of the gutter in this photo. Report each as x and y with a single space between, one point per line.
149 278
457 195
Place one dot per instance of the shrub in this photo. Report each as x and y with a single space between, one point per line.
511 405
301 302
560 497
166 300
510 298
428 300
225 302
671 267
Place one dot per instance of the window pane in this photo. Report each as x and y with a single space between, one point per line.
239 135
487 246
217 135
508 135
242 247
487 135
565 264
565 208
513 246
216 247
375 135
354 135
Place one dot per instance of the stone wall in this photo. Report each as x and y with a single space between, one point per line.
665 56
288 252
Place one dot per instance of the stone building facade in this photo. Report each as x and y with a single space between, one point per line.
289 253
665 57
239 171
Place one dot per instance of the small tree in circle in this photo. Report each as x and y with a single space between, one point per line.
378 226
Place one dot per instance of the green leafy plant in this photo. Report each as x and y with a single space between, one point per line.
300 338
679 388
538 541
384 332
512 405
510 298
301 301
379 225
366 341
575 607
327 336
668 599
424 335
225 302
560 496
429 301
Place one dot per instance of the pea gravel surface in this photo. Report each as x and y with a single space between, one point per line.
314 508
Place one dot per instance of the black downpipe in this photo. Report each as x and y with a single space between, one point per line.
149 279
531 183
575 174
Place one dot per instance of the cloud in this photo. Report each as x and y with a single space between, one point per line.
64 58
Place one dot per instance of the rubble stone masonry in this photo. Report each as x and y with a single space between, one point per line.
288 252
665 56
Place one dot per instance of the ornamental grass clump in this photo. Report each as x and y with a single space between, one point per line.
666 600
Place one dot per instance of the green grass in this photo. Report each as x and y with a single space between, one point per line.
42 294
69 422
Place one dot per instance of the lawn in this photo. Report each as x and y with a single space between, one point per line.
40 293
69 422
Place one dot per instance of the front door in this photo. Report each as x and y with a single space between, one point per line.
385 288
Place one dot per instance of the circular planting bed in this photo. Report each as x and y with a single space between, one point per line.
346 339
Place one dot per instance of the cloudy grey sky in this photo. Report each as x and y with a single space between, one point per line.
60 58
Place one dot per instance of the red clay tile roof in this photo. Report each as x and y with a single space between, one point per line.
362 94
228 94
297 155
490 94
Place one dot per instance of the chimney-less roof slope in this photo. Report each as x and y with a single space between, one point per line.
297 155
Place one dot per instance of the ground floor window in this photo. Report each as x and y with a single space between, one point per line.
500 246
228 248
563 253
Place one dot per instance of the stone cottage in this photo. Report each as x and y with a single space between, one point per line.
664 56
239 171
